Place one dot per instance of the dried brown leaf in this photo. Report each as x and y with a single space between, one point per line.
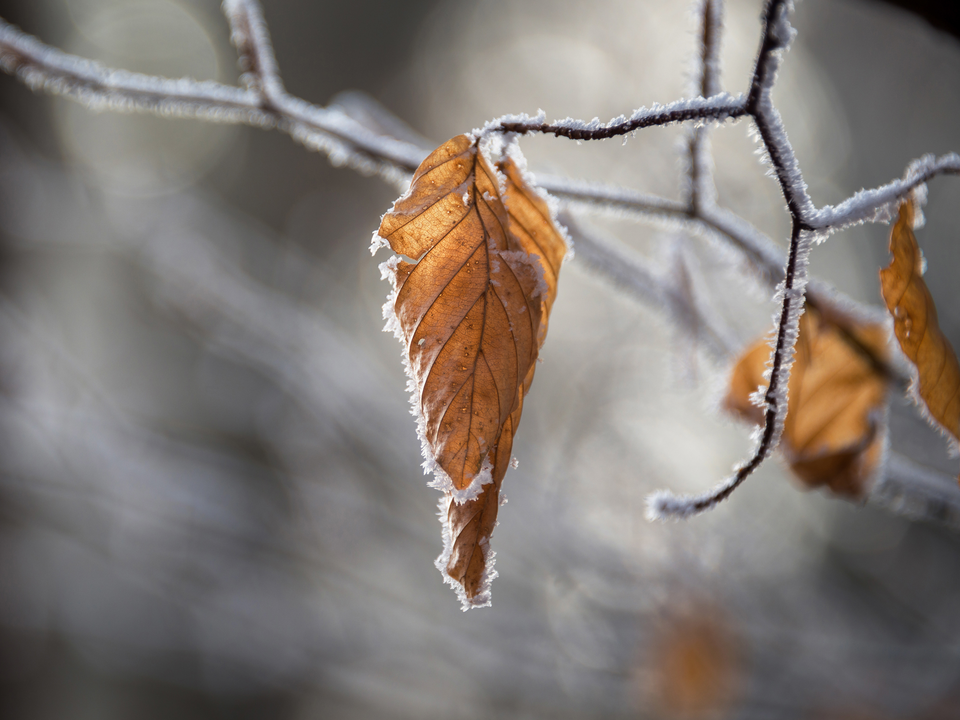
694 666
472 312
834 431
917 329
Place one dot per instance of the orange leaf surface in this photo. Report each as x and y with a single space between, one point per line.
917 329
833 434
471 310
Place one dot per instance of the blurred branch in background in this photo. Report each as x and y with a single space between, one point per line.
206 456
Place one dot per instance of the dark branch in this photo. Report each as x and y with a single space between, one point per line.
776 37
710 48
771 40
700 182
717 108
665 506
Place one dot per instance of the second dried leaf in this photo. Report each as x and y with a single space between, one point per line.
834 431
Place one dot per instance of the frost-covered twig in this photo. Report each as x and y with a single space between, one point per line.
776 37
913 490
777 34
44 68
330 130
878 204
719 107
663 505
698 178
259 64
711 27
763 256
348 141
865 206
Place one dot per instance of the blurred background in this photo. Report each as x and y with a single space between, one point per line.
211 501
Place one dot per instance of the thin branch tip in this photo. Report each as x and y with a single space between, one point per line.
663 505
719 107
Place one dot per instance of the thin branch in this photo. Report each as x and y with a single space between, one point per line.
777 34
910 489
763 255
627 270
700 189
720 107
865 206
346 141
257 60
710 47
876 205
45 68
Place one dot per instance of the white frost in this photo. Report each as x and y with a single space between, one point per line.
483 597
377 242
879 204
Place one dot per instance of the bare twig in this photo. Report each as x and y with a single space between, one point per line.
913 490
699 180
663 504
776 37
340 136
612 260
249 35
777 34
719 107
878 204
343 139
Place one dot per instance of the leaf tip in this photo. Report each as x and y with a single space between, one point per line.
482 596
